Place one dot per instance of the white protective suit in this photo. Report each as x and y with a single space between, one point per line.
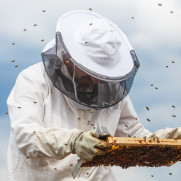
42 123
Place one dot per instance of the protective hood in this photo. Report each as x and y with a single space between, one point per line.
100 71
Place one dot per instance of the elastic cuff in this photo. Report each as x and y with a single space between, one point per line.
73 140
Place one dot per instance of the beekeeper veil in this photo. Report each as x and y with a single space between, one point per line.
90 60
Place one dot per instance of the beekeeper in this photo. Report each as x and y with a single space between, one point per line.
86 75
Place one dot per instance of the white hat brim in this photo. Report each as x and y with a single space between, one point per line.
70 22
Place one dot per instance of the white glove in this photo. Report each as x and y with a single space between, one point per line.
168 133
86 146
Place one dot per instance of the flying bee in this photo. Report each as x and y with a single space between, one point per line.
147 108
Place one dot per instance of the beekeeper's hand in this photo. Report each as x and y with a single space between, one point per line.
168 133
86 146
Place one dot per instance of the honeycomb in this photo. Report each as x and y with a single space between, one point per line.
131 152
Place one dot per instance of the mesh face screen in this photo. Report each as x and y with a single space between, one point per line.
84 89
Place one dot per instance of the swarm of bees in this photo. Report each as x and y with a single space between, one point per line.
144 152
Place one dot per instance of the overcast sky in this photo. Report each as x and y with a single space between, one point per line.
154 32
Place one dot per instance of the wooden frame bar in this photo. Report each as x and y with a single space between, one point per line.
144 141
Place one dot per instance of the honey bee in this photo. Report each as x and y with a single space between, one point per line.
16 66
56 68
90 9
34 102
12 60
147 108
114 142
159 4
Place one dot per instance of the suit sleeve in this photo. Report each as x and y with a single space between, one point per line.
129 124
26 111
168 133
